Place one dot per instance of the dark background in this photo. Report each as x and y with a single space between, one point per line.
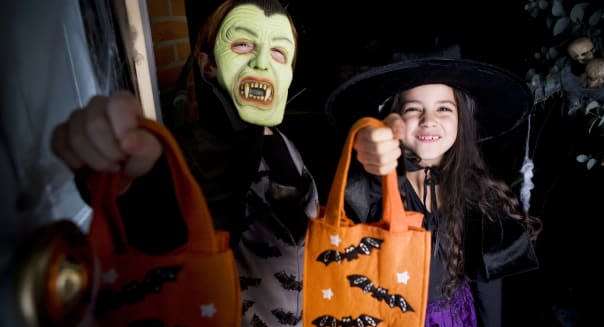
338 39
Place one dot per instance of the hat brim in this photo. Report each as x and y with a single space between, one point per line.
503 99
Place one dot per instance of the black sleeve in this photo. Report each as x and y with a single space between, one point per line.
487 302
363 195
507 248
150 212
496 248
225 166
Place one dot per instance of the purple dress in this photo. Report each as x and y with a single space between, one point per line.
458 311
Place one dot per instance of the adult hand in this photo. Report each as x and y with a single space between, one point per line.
378 148
104 136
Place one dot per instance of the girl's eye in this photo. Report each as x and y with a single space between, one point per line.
410 109
242 47
279 55
445 109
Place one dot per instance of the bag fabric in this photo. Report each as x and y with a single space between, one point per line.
366 274
194 285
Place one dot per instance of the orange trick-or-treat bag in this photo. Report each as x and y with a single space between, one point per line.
365 274
194 285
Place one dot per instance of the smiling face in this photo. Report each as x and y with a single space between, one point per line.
254 55
431 118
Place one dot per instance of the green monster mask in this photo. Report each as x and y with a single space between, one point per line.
254 55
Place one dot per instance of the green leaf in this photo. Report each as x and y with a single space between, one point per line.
552 53
561 61
591 163
591 105
601 121
549 22
582 158
561 25
552 84
578 11
592 123
543 4
557 9
595 18
576 28
536 80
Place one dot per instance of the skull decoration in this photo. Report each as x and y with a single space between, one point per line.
581 50
595 73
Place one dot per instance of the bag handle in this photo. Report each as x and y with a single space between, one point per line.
393 210
192 203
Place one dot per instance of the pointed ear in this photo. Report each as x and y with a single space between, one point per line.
208 68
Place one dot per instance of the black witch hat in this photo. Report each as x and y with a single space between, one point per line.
503 99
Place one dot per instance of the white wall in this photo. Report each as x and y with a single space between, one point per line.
46 73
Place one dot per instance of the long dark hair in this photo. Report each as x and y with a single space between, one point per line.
465 185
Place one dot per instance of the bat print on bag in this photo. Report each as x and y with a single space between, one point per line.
380 293
352 252
362 320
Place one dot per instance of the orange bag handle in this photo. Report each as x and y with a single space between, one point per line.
393 212
192 203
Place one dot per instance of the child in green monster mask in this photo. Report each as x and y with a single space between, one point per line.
256 56
254 179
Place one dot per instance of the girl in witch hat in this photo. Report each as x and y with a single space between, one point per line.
438 109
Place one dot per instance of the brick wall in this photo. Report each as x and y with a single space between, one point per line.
170 36
171 47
